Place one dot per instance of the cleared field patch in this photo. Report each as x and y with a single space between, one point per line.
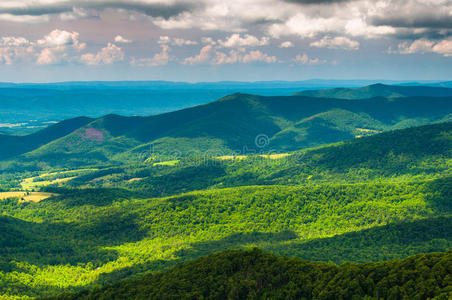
29 183
366 130
275 156
269 156
52 178
134 179
231 157
167 163
26 196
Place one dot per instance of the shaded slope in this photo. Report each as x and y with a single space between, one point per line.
379 90
379 151
325 128
379 243
253 274
14 145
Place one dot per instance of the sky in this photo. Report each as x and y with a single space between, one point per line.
214 40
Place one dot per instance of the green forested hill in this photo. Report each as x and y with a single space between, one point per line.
379 90
374 198
256 275
420 152
233 125
15 145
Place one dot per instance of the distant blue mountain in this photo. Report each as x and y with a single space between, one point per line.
32 104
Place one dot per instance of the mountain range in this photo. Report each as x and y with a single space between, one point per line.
235 124
26 107
379 90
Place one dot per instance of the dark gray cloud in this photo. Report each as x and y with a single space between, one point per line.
307 2
431 34
36 10
151 9
439 21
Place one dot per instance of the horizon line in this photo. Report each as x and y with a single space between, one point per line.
224 81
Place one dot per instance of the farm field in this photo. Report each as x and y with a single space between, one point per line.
25 196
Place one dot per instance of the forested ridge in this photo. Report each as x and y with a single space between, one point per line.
254 274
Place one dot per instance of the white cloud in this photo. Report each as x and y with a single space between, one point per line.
58 38
230 16
159 59
287 44
57 46
338 42
14 48
53 48
222 58
183 42
10 41
235 41
359 27
120 39
419 46
443 47
176 41
204 55
108 55
305 26
304 59
51 56
257 55
208 40
209 55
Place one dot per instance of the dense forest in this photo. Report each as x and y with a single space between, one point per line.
254 274
96 236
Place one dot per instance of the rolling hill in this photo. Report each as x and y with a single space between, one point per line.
421 152
12 145
234 124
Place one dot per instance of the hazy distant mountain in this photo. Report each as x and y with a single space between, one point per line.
379 90
22 103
